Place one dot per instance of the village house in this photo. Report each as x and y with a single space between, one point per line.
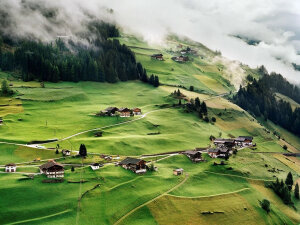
95 166
135 165
243 141
218 152
137 111
180 58
110 111
194 155
66 152
157 57
125 112
52 169
178 172
221 142
10 168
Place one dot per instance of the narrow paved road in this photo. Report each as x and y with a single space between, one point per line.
146 203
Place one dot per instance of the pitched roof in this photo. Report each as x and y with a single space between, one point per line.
50 164
129 160
213 150
95 164
191 152
124 110
244 138
136 109
178 170
10 164
223 140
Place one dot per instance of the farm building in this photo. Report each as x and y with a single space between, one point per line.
243 141
180 58
178 172
194 155
157 57
110 111
125 112
95 166
221 142
66 152
137 111
10 168
52 169
135 165
218 152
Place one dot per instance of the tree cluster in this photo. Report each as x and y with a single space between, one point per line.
259 99
200 107
5 89
105 60
153 79
283 189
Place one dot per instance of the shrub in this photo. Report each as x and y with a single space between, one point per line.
213 119
265 204
285 147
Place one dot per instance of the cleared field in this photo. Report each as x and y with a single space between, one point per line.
287 99
212 84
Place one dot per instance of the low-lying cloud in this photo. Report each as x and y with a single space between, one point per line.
275 23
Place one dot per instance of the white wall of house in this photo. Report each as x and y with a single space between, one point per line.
94 167
10 169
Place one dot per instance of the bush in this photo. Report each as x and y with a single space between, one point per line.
191 88
213 119
285 147
265 204
206 119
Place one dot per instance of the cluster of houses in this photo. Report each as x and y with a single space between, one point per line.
224 147
123 112
188 50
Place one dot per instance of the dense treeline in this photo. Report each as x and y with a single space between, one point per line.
279 84
259 98
104 59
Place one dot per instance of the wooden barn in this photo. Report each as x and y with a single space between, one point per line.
194 155
52 169
135 165
243 141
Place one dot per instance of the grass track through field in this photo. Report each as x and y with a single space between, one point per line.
233 175
207 196
39 218
146 203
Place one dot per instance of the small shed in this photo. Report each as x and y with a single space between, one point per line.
95 166
10 168
66 152
137 111
178 172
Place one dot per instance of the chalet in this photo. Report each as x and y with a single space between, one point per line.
52 169
110 111
243 141
95 166
178 172
218 152
125 112
66 152
193 155
157 57
137 111
10 168
135 165
221 142
180 58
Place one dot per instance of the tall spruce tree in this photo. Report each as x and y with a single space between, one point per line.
296 192
82 151
289 181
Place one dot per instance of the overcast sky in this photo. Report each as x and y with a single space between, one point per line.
276 23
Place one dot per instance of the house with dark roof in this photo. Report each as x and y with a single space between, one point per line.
125 112
52 169
95 166
243 141
135 165
221 142
157 57
180 58
194 155
110 111
10 168
218 152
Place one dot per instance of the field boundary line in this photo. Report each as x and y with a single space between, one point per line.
40 218
215 195
151 200
233 175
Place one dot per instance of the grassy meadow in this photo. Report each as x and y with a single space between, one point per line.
112 194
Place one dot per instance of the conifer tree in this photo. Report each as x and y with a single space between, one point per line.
289 181
296 192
